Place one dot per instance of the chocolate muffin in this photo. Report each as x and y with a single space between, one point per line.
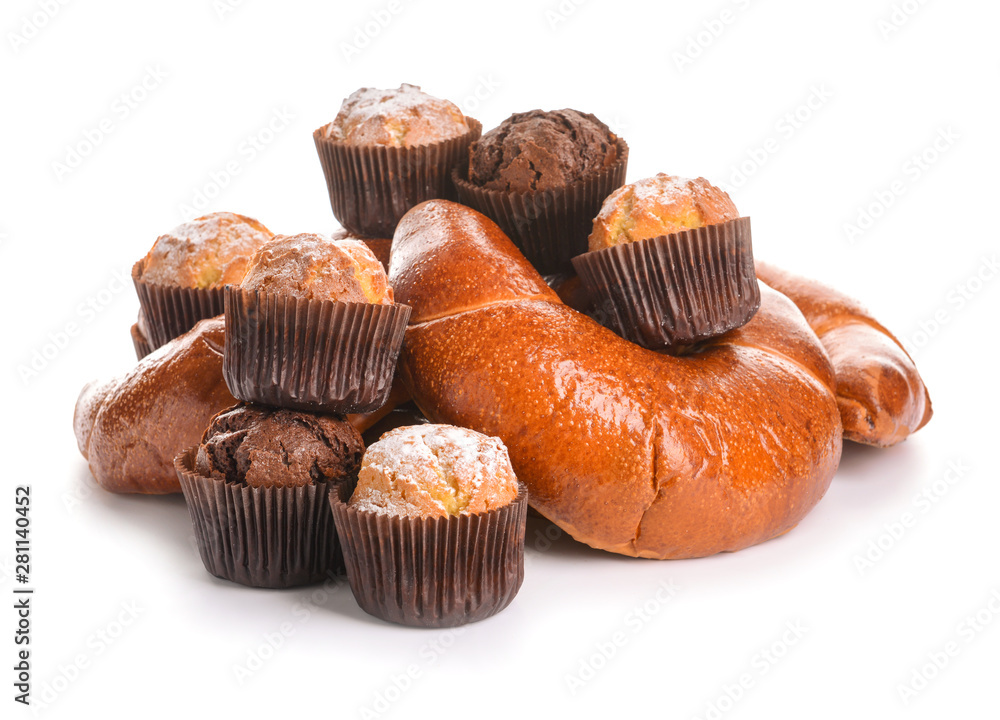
262 446
314 267
659 205
539 150
541 177
208 252
257 489
405 117
435 471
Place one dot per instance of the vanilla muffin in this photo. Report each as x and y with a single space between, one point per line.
433 530
315 267
434 471
659 205
208 252
405 117
389 150
670 264
181 279
313 327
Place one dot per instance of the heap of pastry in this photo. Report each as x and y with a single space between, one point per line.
610 353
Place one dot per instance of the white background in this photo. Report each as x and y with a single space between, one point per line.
888 92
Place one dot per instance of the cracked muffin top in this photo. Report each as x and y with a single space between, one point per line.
400 118
659 205
262 446
208 252
540 150
434 471
316 267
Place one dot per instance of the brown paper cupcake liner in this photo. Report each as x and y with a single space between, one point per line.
432 572
313 355
268 537
172 310
549 226
139 342
372 187
675 289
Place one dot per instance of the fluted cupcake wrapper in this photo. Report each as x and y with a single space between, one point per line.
312 355
140 343
172 310
549 226
675 289
372 187
269 537
432 572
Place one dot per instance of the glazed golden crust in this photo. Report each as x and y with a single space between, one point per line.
208 252
403 117
659 205
477 269
434 471
315 267
880 393
626 449
130 429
